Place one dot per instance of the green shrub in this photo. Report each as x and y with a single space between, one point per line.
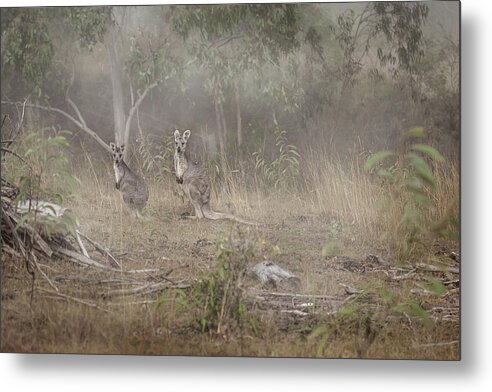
409 174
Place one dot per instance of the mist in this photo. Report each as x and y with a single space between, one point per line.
271 180
302 86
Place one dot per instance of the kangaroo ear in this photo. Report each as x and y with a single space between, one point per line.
176 135
186 134
122 148
113 147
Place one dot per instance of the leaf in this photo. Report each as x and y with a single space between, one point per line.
321 346
318 331
420 198
414 184
430 151
384 173
435 286
417 132
422 169
374 159
412 308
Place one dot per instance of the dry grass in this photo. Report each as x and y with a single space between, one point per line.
334 202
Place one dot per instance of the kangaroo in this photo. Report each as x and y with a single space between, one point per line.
132 187
193 180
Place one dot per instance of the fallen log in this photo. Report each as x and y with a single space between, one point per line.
433 268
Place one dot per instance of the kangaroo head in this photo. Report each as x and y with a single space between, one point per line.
180 141
117 152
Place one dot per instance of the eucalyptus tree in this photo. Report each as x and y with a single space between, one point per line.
39 58
231 41
392 31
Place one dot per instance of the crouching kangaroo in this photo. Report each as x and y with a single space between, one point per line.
194 181
132 187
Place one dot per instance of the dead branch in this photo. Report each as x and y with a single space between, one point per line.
13 231
136 105
293 295
408 275
81 259
433 268
143 271
20 123
72 103
350 290
295 312
74 299
86 129
35 262
36 238
148 302
440 344
146 289
81 244
17 156
101 250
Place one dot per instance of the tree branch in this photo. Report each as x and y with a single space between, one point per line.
83 127
135 106
3 149
72 104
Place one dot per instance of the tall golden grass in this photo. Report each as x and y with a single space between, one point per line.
330 188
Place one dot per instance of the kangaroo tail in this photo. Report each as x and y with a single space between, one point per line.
214 215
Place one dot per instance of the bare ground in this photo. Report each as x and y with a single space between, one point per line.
87 315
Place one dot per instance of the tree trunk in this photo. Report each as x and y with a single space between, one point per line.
238 118
221 128
219 123
117 84
224 124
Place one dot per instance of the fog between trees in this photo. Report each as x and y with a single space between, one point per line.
342 76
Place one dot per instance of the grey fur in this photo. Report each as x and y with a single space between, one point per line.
132 187
193 180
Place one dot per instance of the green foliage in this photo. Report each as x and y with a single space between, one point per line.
411 308
45 176
30 41
398 25
156 157
430 151
234 43
366 315
27 47
265 30
376 158
401 24
418 132
218 297
150 59
49 225
89 24
435 286
283 170
411 178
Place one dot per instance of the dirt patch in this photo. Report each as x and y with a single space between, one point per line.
115 312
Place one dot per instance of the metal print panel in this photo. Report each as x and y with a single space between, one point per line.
264 180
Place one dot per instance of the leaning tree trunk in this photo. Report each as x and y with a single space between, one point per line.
117 85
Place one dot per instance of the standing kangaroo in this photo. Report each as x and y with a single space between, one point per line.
194 181
132 187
